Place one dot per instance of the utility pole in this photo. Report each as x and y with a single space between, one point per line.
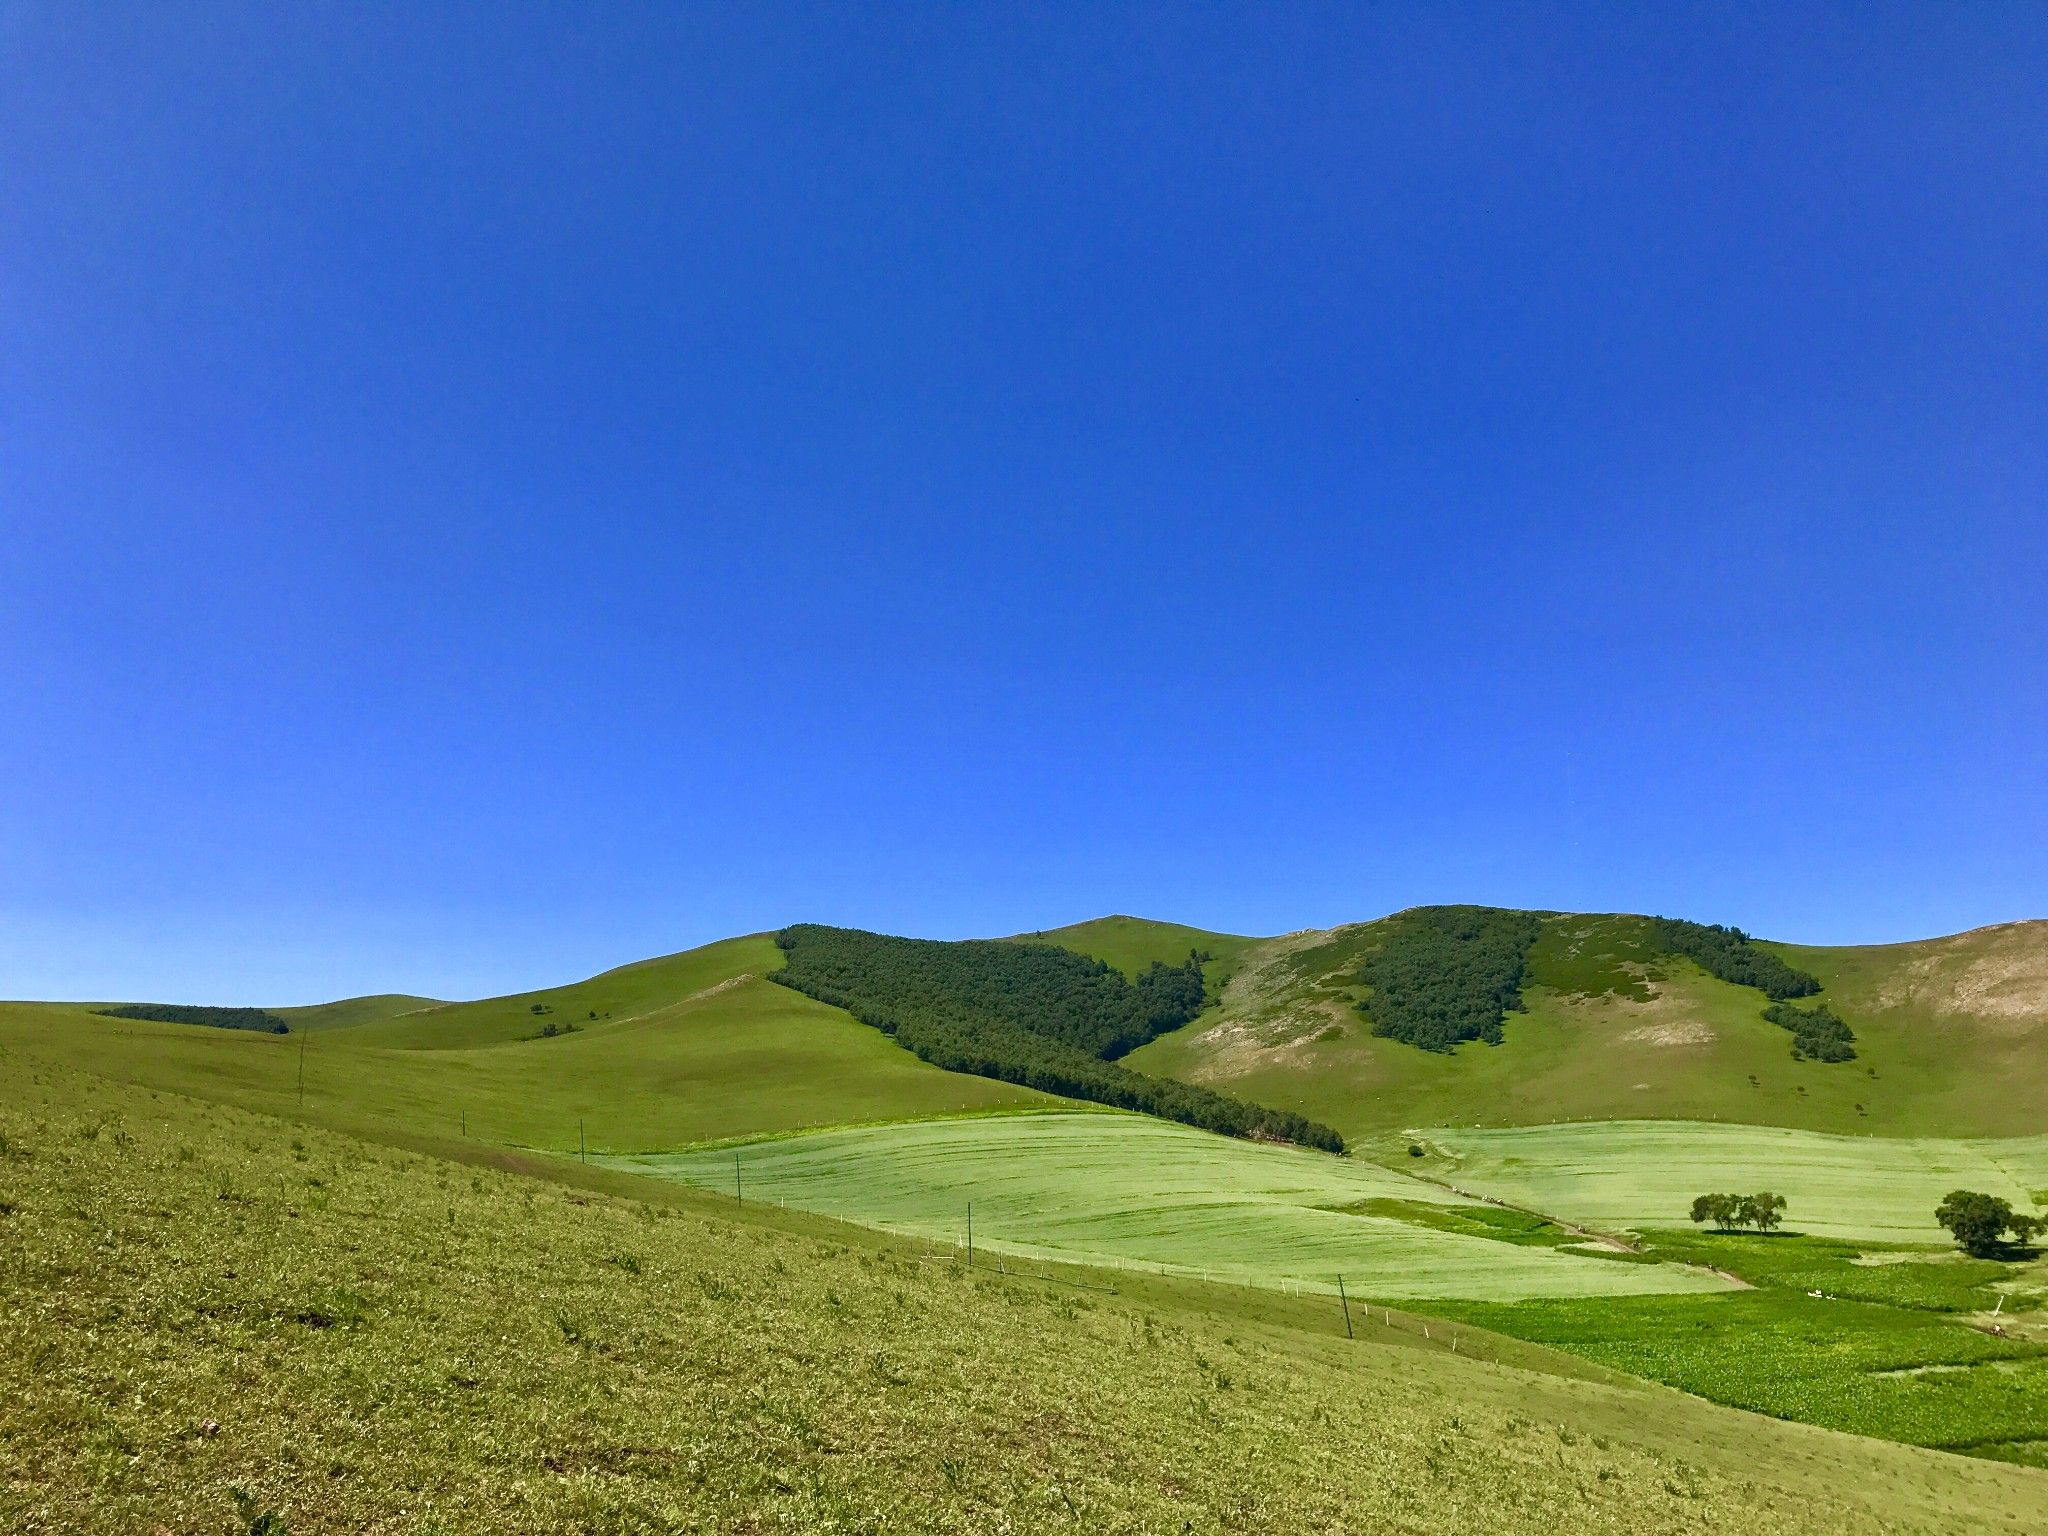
970 1234
302 1069
581 1151
737 1194
1346 1301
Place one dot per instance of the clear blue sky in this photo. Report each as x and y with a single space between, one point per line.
491 493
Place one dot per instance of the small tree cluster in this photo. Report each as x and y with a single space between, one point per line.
1763 1211
1979 1223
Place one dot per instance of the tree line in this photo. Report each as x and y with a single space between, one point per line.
1445 975
1763 1210
1732 955
1979 1222
261 1019
1032 1014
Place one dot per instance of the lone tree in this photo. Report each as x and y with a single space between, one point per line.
1979 1222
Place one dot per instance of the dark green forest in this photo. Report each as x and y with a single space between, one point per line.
1027 1013
1730 954
1444 975
1818 1033
190 1013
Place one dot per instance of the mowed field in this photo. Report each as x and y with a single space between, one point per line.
1118 1188
683 1049
222 1321
1637 1175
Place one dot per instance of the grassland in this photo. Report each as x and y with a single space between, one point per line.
1876 1342
1132 943
683 1049
219 1321
1620 1175
1129 1189
1951 1035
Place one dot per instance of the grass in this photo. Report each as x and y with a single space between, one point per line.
1133 943
220 1321
1637 1174
1881 1349
1951 1036
684 1049
1128 1189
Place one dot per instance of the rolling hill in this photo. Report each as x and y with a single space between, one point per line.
1528 1187
1951 1037
223 1320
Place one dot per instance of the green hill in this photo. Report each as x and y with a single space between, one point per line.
1133 943
222 1321
647 1057
356 1010
1951 1037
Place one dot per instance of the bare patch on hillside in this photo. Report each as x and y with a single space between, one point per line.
1998 974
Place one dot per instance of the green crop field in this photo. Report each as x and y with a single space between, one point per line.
1952 1038
222 1321
1618 1175
1127 1188
1895 1343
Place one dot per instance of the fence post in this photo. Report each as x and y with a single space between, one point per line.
582 1152
970 1234
738 1194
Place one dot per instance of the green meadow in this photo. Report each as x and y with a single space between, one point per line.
1118 1188
680 1050
622 1102
221 1320
1618 1175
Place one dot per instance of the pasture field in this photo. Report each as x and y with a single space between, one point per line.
1634 1175
221 1321
1875 1342
1951 1038
695 1047
1117 1188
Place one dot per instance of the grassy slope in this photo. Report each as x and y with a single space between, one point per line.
351 1011
1133 943
696 1046
1096 1187
1952 1039
203 1301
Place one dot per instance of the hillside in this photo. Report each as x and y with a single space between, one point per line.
356 1010
1133 943
220 1321
1951 1037
664 1053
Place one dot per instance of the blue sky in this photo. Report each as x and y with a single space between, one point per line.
489 493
